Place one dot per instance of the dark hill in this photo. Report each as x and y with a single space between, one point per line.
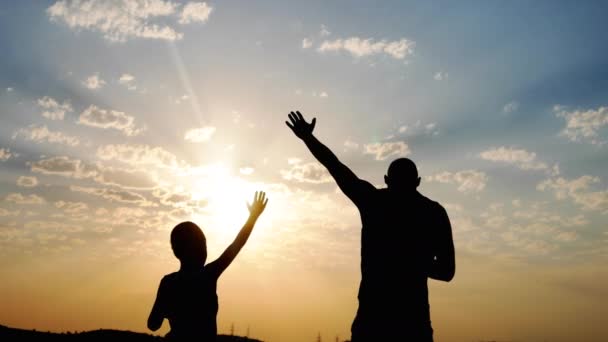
102 335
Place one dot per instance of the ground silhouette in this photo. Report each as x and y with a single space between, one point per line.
101 335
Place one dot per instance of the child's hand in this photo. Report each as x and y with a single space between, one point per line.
258 205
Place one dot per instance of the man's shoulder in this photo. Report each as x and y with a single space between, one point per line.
432 204
169 278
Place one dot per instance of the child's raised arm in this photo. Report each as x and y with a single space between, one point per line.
255 210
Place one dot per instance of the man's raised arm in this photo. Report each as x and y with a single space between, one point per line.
349 183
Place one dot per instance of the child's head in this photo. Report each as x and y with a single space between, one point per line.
189 243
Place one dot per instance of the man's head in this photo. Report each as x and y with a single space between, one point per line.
188 243
402 175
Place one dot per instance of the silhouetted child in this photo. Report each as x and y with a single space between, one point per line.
187 298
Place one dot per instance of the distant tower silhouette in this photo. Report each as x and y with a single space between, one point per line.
232 329
337 338
247 332
319 337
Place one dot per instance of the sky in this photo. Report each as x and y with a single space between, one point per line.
122 118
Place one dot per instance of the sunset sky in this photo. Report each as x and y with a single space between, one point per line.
122 118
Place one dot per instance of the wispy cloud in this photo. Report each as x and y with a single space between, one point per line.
97 117
122 196
519 157
306 43
578 191
440 76
120 20
24 199
467 180
54 110
511 107
360 47
195 12
139 155
584 125
128 81
201 134
42 134
5 154
27 182
94 82
382 151
306 172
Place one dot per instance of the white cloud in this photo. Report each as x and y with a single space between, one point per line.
128 81
96 117
41 134
566 236
467 180
94 82
440 76
27 182
5 154
4 213
53 109
583 125
519 157
350 145
71 207
324 31
27 199
122 196
306 43
139 155
359 47
403 129
117 20
246 170
200 134
578 191
195 12
9 89
306 172
510 107
74 168
381 151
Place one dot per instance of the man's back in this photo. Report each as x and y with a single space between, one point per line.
397 244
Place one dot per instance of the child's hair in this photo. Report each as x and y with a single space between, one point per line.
189 243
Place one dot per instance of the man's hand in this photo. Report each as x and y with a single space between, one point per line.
299 126
258 205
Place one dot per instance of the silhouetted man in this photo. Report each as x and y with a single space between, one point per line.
405 239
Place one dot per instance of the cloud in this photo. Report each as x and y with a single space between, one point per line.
128 81
9 89
27 199
323 94
350 145
324 31
139 155
27 182
467 180
306 172
71 207
102 118
578 191
4 213
510 107
519 157
359 47
306 43
195 12
122 196
382 151
53 109
200 134
246 170
94 81
583 126
77 169
41 134
117 20
5 154
440 76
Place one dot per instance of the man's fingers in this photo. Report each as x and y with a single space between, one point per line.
300 115
289 125
293 119
313 123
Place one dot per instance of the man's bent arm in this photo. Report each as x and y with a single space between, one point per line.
443 264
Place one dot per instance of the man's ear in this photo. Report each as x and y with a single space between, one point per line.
418 181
